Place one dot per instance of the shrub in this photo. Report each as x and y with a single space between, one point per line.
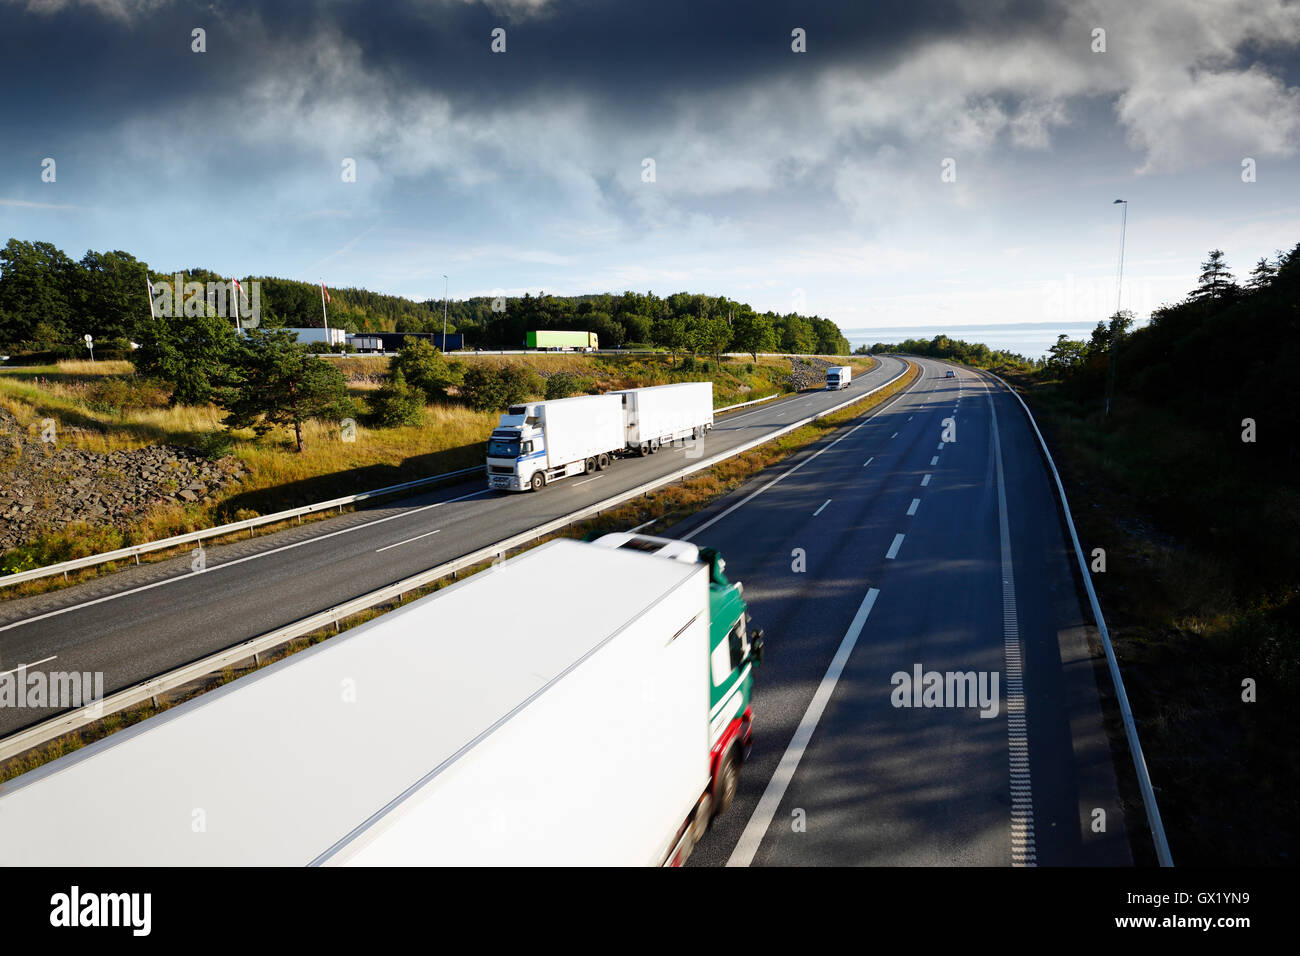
487 389
562 385
395 403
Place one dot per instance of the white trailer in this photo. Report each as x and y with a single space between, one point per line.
663 414
539 442
839 376
330 336
554 710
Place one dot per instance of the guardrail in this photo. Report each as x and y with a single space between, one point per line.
67 722
1126 713
134 551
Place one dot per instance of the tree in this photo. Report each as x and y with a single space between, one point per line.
426 370
714 335
193 353
671 333
112 298
1261 277
37 294
753 333
1216 282
276 382
798 337
489 389
396 403
1066 355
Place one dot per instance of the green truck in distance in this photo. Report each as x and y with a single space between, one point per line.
553 341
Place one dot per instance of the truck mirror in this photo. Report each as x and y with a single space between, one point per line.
756 647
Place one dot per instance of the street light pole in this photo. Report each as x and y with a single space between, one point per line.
1119 295
445 283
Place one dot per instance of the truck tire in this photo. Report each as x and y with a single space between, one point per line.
538 481
603 462
645 448
590 465
654 445
703 814
728 779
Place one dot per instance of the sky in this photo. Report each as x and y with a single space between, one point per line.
919 166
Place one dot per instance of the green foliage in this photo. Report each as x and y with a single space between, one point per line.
753 333
562 385
194 353
396 403
426 370
276 382
489 389
968 353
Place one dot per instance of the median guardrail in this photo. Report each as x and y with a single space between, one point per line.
72 720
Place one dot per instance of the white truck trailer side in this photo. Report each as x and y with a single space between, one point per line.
554 710
663 414
540 442
839 376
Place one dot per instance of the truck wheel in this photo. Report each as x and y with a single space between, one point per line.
645 448
538 481
728 779
695 434
603 463
654 445
700 822
590 465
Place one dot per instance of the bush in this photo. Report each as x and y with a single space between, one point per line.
562 385
488 389
395 403
426 370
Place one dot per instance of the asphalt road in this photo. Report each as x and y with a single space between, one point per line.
144 621
882 549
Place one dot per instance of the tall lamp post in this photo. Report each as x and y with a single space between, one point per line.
1119 294
445 282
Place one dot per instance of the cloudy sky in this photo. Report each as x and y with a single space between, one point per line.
810 181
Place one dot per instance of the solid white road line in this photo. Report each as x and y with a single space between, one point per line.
916 503
925 481
1023 850
230 564
770 802
585 480
893 548
934 461
43 660
822 508
407 541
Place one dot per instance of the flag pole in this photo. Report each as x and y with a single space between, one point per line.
149 295
324 314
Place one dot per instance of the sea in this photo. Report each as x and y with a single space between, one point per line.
1030 339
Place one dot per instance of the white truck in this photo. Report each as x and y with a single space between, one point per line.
433 736
663 414
838 376
539 442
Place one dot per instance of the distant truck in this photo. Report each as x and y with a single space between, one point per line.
838 376
536 443
553 341
394 341
608 737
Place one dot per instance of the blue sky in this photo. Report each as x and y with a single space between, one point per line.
794 181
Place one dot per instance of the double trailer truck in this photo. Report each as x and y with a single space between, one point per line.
555 341
428 736
539 442
838 376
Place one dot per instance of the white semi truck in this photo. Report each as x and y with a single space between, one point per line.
605 737
539 442
838 376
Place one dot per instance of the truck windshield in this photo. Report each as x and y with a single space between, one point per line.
500 448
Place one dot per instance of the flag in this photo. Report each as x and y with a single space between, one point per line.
325 292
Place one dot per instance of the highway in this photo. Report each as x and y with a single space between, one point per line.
143 621
884 550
